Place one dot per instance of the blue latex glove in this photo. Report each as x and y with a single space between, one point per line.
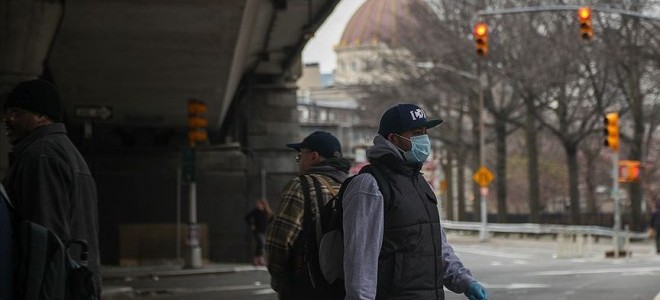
476 292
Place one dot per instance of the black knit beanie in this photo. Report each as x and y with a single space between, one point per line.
38 96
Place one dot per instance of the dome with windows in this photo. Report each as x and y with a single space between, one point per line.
378 21
373 32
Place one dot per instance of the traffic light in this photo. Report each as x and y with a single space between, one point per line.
480 34
196 122
612 131
584 15
629 170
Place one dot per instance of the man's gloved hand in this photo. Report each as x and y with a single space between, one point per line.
476 292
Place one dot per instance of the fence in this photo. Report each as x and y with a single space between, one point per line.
539 229
572 241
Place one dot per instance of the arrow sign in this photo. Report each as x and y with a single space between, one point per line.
483 176
94 112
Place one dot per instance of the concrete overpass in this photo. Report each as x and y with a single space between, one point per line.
137 63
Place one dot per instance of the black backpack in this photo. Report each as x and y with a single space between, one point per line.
323 238
44 269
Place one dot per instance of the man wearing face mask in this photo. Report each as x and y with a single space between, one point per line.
395 247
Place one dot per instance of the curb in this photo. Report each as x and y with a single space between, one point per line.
115 291
118 273
181 272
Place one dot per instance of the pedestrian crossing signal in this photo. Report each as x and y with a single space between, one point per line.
629 170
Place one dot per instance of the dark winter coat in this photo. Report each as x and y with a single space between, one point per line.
50 184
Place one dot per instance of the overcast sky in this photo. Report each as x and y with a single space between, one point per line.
320 48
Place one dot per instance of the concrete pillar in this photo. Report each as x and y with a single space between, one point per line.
26 35
272 122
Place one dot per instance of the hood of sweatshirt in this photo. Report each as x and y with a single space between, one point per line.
337 168
384 152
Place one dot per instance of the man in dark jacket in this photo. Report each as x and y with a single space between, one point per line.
319 158
398 249
49 182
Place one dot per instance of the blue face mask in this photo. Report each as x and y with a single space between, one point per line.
421 148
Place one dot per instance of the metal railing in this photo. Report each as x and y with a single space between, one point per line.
540 229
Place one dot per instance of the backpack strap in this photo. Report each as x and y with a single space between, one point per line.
307 220
319 204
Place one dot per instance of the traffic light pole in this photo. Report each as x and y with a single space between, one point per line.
617 204
483 233
196 133
193 257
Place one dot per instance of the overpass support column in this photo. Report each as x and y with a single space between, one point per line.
271 122
26 35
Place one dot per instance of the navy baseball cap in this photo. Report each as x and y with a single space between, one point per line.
404 117
322 142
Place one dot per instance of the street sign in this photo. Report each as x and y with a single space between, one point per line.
483 176
93 112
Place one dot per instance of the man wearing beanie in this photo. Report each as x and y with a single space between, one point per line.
395 246
49 182
322 170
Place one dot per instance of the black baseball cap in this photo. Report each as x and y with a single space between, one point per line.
322 142
404 117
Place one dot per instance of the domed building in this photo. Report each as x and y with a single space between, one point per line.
375 33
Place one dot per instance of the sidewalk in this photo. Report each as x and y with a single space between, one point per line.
116 273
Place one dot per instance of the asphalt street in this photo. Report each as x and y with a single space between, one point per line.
510 268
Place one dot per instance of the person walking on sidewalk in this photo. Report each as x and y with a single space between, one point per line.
258 219
398 249
654 225
320 161
48 180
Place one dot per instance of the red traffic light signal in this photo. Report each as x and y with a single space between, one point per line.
480 33
584 16
611 131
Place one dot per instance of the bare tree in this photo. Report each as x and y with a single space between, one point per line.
539 76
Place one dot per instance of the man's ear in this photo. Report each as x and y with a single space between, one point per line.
44 120
390 137
316 156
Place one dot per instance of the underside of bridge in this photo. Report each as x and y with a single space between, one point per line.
126 69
